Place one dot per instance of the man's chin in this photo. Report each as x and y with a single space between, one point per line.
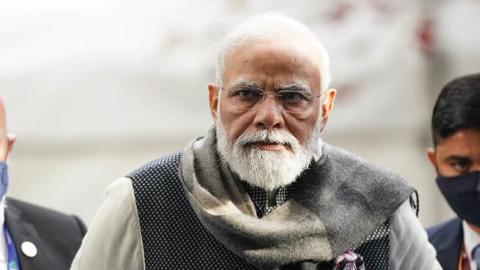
266 169
269 183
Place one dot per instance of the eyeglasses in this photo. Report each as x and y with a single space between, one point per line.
291 100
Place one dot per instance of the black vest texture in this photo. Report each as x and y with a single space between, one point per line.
174 238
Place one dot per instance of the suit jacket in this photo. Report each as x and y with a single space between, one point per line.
447 238
56 236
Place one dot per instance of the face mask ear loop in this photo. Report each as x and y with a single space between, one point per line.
478 186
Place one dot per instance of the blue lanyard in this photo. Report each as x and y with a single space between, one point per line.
12 253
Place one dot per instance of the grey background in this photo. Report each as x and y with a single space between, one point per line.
96 88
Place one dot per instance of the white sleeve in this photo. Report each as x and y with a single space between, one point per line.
113 240
409 246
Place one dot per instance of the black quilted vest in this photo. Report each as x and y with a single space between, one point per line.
174 238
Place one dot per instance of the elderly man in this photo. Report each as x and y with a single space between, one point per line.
261 190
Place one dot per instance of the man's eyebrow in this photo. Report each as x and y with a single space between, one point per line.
294 86
246 83
465 159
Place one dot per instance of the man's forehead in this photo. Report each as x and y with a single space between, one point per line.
285 60
270 49
464 142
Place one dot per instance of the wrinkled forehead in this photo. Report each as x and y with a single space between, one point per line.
270 61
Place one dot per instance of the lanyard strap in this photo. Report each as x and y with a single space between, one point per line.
463 261
12 253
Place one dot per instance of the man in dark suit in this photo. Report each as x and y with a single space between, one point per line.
33 237
456 158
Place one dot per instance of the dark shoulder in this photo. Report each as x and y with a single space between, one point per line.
437 232
167 164
42 215
36 210
59 235
446 238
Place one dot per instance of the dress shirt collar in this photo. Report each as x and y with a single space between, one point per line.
471 239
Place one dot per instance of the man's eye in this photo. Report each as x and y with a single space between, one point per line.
247 94
460 166
293 96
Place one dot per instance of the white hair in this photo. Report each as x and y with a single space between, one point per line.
271 26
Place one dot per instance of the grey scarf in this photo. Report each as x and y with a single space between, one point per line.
338 204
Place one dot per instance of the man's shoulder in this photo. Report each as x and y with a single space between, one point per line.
381 188
57 235
166 164
348 162
43 218
34 210
438 231
447 238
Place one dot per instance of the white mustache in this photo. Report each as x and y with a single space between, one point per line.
264 136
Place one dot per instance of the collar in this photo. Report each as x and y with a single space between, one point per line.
471 239
266 201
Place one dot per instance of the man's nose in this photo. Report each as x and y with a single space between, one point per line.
268 114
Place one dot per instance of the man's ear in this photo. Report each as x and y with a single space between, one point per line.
431 156
213 100
327 105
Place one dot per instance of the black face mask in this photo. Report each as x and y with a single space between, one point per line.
463 194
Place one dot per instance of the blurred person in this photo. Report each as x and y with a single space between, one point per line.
456 158
32 237
260 190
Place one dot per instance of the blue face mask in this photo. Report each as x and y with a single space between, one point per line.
3 178
463 194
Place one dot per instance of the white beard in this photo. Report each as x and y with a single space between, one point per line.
268 170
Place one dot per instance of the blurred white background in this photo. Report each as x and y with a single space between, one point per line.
96 88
